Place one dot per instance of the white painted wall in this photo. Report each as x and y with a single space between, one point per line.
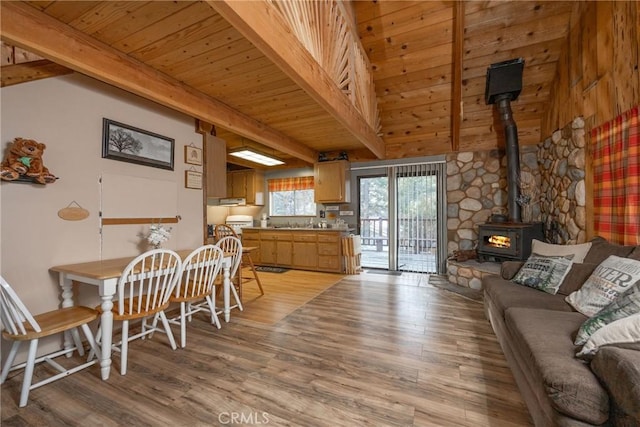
66 114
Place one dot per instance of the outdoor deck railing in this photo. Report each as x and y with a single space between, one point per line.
415 235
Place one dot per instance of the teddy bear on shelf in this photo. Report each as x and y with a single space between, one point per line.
25 159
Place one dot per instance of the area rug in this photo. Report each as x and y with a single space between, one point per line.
441 282
385 272
271 269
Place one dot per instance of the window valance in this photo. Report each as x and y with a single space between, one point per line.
290 184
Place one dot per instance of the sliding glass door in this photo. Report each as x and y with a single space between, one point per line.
374 221
402 218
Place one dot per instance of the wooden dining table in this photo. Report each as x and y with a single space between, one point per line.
105 274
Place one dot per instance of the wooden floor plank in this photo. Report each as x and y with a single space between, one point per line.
316 350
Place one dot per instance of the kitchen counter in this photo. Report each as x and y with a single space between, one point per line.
271 228
316 249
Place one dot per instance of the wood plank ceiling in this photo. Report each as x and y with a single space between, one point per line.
412 47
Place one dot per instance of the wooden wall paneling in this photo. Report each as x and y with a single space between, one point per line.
411 62
604 35
625 56
575 56
457 65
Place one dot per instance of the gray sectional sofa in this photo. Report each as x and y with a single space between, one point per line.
536 331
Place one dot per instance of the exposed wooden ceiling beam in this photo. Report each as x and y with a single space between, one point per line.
29 71
261 24
24 26
456 84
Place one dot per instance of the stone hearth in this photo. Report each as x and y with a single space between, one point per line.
470 273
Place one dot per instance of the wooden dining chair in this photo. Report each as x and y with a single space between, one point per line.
195 289
232 245
223 230
144 292
20 326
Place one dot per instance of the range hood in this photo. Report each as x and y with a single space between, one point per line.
233 201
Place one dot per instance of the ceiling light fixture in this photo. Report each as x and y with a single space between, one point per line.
255 157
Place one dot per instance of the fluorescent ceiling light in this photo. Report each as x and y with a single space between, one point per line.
252 156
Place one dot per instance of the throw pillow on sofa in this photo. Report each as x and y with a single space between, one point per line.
548 249
627 304
612 277
544 273
623 332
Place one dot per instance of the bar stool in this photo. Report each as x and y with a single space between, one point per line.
223 230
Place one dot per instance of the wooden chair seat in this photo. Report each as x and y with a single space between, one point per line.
54 322
137 314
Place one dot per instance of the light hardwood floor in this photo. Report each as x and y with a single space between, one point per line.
370 350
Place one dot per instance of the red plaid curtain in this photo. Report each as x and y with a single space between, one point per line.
290 184
616 167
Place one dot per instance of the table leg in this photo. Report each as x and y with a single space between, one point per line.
67 301
226 290
106 322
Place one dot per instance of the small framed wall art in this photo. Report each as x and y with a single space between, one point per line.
130 144
193 179
193 155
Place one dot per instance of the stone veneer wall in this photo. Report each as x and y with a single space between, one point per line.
563 199
477 188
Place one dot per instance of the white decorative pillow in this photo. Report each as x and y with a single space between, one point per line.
545 273
579 252
624 331
627 304
612 277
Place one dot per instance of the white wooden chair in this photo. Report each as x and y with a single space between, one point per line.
19 326
144 291
224 230
232 245
195 288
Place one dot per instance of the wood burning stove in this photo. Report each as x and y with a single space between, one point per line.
511 240
507 241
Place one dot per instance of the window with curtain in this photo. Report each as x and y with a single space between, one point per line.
291 196
616 178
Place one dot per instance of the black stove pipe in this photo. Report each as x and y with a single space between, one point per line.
513 155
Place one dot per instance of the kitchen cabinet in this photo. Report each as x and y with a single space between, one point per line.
275 248
246 184
215 163
303 249
329 251
332 182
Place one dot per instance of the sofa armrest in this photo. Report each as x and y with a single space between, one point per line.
618 369
508 269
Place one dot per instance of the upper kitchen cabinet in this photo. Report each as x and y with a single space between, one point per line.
246 184
332 182
216 166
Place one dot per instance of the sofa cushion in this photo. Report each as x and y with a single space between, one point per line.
544 339
612 277
578 274
548 249
625 305
505 294
619 371
601 249
508 269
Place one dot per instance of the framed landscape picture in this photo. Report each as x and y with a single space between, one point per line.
130 144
